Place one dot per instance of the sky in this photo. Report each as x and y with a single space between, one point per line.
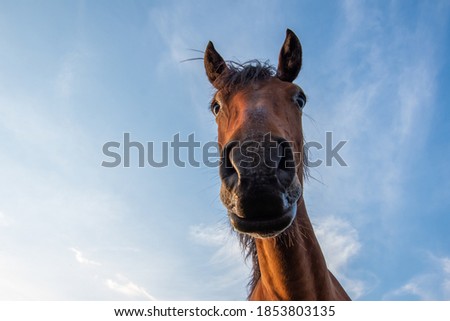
78 74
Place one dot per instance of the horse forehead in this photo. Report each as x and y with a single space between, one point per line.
261 93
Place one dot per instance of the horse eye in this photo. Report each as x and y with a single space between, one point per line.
215 108
301 101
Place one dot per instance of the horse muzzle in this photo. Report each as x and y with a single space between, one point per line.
260 187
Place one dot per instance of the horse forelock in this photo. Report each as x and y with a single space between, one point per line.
239 75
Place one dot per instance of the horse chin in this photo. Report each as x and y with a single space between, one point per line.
264 228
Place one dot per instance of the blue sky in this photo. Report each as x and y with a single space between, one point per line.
77 74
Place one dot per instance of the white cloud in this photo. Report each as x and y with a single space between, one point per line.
432 284
79 256
177 33
119 284
380 99
213 235
445 263
227 258
340 243
124 286
417 288
227 250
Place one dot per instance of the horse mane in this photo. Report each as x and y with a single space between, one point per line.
248 247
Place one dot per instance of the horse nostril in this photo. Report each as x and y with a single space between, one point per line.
257 162
286 163
227 170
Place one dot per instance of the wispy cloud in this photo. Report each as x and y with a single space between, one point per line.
381 100
227 250
116 282
124 286
79 256
339 240
340 243
432 284
67 73
374 85
177 33
227 258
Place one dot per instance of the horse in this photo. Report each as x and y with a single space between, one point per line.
258 111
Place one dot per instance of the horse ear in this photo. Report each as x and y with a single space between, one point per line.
214 63
290 58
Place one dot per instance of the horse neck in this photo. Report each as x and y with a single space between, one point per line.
293 267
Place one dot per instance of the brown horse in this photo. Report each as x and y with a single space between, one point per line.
258 112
